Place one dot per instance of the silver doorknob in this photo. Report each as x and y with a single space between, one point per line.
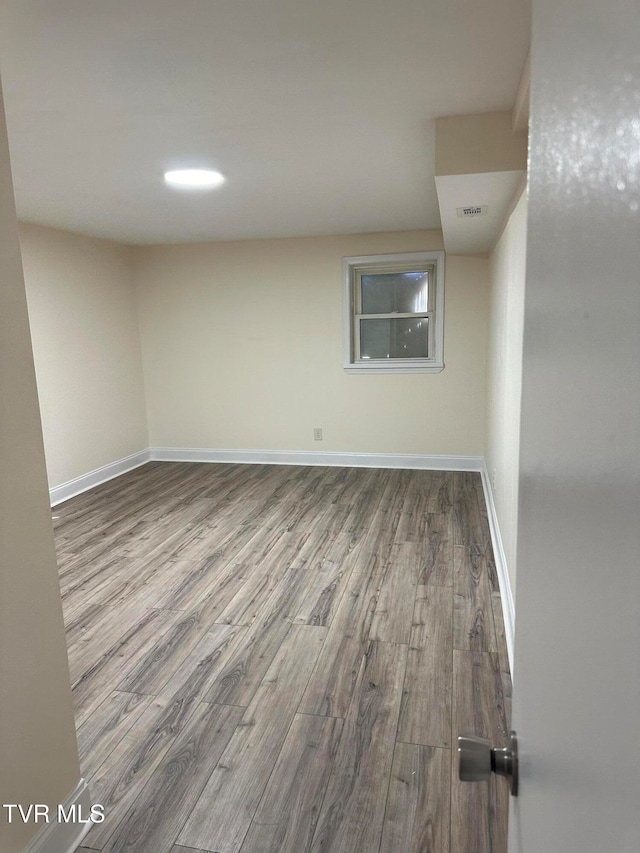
477 761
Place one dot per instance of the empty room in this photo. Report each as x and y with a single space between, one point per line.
299 398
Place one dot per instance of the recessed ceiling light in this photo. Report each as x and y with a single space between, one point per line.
194 178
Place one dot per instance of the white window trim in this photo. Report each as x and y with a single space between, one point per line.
434 364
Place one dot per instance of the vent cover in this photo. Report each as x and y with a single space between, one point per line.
472 210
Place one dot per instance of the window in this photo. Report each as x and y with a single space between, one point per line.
394 313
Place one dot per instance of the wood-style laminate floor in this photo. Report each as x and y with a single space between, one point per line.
276 659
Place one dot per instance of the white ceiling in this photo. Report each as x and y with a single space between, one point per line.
319 112
493 190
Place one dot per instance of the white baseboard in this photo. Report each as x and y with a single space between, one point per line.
93 478
314 457
58 837
506 594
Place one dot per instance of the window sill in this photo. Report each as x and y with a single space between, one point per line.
394 368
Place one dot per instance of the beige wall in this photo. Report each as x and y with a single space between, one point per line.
480 143
242 348
504 376
39 760
86 349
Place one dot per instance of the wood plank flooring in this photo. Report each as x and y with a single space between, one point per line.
278 659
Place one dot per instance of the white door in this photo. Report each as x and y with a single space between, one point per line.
577 661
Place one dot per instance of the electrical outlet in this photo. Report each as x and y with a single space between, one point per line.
493 479
317 434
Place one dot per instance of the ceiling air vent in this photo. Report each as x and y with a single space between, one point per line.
472 210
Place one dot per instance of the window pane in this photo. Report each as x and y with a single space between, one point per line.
389 338
395 292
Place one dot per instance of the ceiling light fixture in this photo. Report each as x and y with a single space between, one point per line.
194 179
